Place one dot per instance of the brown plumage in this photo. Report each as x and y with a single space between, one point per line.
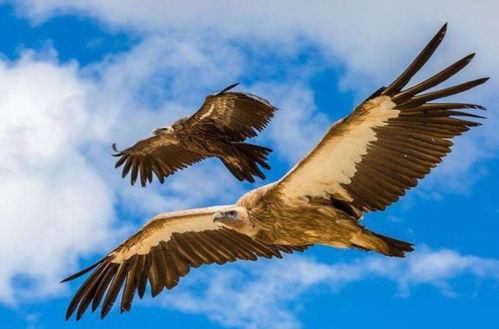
364 163
217 129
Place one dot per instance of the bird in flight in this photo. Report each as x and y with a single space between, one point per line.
364 163
217 129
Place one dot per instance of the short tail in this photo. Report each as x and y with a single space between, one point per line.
244 166
367 240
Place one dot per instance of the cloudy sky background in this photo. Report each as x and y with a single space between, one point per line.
76 76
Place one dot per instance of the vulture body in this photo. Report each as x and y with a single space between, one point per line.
364 163
217 129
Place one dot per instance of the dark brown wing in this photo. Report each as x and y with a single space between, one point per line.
161 155
160 254
370 158
237 115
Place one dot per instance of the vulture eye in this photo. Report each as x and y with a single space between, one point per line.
232 213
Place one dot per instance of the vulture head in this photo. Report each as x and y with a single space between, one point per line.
234 217
163 131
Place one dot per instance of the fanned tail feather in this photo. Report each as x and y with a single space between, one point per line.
249 157
367 240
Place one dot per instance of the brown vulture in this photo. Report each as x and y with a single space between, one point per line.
217 129
364 163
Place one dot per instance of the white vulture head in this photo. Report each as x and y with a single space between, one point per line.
232 216
235 217
163 131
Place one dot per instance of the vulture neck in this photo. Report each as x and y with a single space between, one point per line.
260 204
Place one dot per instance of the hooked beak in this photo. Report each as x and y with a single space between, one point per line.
218 217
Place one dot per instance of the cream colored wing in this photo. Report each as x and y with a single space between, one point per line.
160 253
368 160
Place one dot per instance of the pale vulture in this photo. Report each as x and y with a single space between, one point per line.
217 129
364 163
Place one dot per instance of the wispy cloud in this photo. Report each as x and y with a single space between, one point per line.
298 124
267 294
55 205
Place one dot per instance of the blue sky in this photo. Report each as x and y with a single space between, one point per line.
76 76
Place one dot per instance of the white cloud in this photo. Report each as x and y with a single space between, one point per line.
55 207
267 294
298 124
363 42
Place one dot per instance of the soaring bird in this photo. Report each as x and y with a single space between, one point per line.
364 163
217 129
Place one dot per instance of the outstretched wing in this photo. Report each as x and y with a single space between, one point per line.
161 155
370 158
160 253
237 115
